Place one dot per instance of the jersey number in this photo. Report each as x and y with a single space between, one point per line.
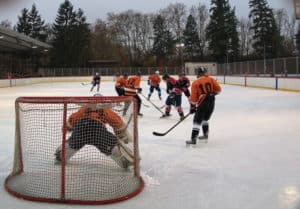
206 88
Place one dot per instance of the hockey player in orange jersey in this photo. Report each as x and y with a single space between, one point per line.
154 81
132 88
120 85
202 102
88 127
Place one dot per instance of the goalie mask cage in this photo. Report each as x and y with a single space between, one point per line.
89 176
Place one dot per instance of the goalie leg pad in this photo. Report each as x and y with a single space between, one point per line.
69 152
119 158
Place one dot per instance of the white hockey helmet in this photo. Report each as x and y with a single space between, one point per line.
157 72
97 73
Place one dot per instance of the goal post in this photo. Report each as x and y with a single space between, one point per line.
79 150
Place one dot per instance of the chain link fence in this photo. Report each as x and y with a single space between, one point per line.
106 71
287 67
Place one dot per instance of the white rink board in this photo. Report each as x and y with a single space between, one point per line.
261 82
251 160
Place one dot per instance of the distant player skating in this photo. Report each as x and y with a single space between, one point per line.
96 82
120 84
132 88
174 97
154 81
184 83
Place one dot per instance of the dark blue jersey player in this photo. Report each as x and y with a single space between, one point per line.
96 81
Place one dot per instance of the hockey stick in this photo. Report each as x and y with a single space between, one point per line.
84 84
145 105
153 104
162 107
170 129
201 99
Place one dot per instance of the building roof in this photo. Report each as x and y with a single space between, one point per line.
12 41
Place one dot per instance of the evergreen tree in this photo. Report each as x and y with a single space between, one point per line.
267 39
23 25
234 45
71 35
221 31
191 38
37 25
163 40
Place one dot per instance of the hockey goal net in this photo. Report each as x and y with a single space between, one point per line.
81 150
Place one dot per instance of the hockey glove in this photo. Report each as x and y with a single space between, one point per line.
148 82
193 109
140 90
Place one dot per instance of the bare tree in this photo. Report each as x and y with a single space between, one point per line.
175 15
101 45
286 26
246 35
6 23
133 31
201 15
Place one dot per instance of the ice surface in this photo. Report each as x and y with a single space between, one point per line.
251 161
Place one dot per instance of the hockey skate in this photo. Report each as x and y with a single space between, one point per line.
165 115
181 116
204 138
191 142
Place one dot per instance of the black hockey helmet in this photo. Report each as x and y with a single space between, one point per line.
165 77
139 73
201 70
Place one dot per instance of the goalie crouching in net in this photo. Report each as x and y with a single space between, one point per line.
88 128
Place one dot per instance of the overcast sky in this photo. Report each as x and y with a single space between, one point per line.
94 9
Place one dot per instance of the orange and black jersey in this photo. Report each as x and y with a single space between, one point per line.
103 115
154 79
121 82
132 84
203 86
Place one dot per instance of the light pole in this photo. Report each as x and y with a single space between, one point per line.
265 64
227 60
180 47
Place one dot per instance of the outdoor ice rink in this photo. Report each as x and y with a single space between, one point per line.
251 161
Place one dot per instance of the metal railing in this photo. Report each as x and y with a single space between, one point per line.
270 67
106 71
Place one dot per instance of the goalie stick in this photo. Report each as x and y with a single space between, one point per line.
170 129
153 104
